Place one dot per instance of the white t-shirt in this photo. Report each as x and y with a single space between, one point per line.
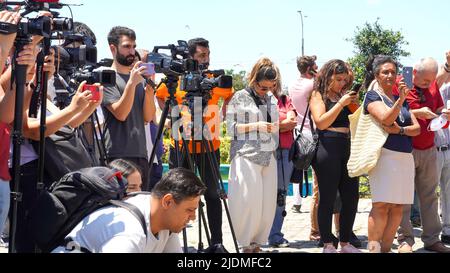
116 230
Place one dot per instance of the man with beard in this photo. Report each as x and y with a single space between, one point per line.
128 105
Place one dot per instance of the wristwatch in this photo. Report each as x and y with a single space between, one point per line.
402 131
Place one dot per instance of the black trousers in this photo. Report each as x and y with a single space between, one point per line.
28 188
213 205
330 166
142 163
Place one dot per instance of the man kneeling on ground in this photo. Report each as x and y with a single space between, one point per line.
167 211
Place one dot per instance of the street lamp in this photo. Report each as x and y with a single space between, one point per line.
303 40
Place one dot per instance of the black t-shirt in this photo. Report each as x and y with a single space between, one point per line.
125 139
395 143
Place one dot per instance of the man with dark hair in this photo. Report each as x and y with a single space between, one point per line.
128 105
167 211
199 51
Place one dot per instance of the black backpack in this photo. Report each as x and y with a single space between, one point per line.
64 153
72 198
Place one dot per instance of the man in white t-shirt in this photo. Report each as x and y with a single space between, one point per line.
167 211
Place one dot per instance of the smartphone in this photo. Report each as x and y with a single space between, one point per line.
95 90
408 76
149 68
356 87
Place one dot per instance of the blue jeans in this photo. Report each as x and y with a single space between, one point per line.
4 203
415 210
276 236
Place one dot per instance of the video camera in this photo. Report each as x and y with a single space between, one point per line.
175 65
204 81
42 26
91 74
71 58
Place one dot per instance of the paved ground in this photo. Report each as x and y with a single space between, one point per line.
296 229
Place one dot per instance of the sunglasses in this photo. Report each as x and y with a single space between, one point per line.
265 88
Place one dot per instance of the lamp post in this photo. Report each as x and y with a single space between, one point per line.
303 40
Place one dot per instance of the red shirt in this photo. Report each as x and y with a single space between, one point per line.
286 138
433 100
4 151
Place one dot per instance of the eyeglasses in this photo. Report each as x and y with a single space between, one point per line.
265 88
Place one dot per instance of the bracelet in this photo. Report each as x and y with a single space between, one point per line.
402 131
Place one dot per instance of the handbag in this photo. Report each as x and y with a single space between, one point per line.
303 149
367 140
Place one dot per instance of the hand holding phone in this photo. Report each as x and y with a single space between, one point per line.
149 68
95 91
408 76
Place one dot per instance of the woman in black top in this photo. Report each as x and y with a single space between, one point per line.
330 114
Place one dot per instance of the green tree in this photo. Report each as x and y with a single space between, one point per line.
239 80
371 40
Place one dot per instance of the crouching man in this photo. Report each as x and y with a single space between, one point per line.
167 210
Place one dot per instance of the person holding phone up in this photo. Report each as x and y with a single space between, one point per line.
128 105
252 122
392 179
330 113
426 104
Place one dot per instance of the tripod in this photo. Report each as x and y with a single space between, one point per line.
206 149
19 76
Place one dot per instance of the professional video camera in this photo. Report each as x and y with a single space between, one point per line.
70 57
175 65
91 74
42 26
199 82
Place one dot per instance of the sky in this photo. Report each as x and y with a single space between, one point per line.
242 31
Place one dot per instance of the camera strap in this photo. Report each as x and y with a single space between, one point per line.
8 28
259 103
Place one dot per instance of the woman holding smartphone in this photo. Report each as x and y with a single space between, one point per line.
329 111
392 179
252 122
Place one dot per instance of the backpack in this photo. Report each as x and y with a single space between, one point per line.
69 200
64 153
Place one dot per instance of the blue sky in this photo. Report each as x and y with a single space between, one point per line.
241 31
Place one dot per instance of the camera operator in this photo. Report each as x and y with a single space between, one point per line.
7 98
80 108
199 51
128 105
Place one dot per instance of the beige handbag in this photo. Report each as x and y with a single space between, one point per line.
367 140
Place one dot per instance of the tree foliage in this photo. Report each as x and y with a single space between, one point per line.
239 80
371 40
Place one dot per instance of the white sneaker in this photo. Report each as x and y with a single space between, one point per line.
374 247
329 249
350 249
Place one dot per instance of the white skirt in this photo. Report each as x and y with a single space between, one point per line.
392 179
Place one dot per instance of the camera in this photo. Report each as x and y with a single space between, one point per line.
74 57
41 26
91 76
281 198
177 64
204 81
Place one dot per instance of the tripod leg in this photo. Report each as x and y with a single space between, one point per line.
215 166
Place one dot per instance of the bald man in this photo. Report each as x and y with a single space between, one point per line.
426 103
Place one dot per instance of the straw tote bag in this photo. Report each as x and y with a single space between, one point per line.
367 140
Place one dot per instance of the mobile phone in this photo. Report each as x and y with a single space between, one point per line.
149 68
356 87
95 90
408 76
